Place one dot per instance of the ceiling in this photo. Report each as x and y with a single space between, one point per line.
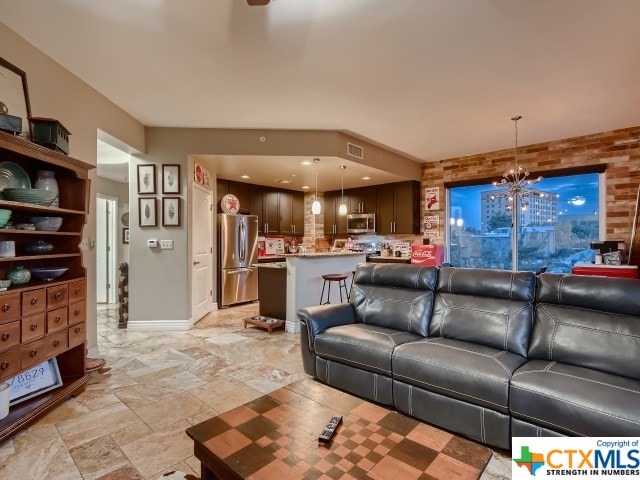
431 78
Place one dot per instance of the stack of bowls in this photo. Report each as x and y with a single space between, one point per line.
4 216
36 196
51 224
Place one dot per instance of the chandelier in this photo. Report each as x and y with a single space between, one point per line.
514 185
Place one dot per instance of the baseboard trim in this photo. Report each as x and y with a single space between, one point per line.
292 327
94 352
159 325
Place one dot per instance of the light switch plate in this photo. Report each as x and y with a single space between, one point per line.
166 244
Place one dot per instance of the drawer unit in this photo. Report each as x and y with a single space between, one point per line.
33 327
33 353
34 301
9 335
77 291
56 343
77 334
9 307
77 312
57 296
9 363
56 320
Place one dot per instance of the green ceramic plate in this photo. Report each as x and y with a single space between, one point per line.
35 196
13 175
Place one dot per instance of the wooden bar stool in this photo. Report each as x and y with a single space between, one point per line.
342 283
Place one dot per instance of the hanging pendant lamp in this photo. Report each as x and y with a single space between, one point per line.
316 207
342 209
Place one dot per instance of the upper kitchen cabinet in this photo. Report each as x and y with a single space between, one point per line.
291 212
362 200
334 223
398 208
239 189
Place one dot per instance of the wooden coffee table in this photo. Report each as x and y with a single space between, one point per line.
275 437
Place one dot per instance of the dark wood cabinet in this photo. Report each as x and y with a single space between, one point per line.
239 189
334 223
256 205
297 212
291 212
38 319
271 213
362 200
398 208
280 212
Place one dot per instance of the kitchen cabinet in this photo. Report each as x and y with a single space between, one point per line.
291 212
271 213
239 189
362 200
398 208
334 223
43 320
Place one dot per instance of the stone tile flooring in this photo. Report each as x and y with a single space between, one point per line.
131 425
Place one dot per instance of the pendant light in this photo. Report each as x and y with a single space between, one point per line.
316 207
342 209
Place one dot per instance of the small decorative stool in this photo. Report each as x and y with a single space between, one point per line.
334 277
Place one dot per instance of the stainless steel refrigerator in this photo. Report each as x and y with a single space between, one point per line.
237 259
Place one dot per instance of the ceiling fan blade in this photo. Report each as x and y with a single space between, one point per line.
256 3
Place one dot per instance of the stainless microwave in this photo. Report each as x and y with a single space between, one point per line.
361 223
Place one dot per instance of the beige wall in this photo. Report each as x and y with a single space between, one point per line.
55 92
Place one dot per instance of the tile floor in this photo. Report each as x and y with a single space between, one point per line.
131 424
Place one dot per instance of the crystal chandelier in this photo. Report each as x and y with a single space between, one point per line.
514 183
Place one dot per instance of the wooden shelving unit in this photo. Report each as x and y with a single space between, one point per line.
41 320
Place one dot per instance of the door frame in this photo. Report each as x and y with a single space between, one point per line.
112 241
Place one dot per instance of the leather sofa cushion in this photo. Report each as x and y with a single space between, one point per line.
508 285
368 347
474 373
576 400
577 323
394 296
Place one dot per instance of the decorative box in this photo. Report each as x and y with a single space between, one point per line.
10 123
50 133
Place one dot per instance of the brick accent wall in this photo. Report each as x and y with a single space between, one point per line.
617 150
313 224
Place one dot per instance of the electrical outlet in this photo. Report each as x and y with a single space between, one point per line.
166 244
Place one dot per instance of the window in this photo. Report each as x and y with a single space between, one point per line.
554 231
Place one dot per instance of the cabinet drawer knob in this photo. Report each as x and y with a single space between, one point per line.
58 318
56 343
58 296
76 312
6 307
34 301
4 366
77 291
33 353
5 337
77 330
33 327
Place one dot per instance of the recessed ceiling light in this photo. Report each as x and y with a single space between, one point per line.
245 176
283 181
305 187
305 162
366 178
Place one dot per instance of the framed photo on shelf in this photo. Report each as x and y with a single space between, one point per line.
148 216
125 235
38 379
170 211
15 95
146 179
171 179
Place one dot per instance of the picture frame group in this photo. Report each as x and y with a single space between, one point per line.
171 205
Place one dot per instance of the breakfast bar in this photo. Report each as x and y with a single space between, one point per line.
304 279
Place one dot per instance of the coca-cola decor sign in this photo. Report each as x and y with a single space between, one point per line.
427 254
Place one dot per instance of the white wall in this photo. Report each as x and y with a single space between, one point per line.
54 92
119 190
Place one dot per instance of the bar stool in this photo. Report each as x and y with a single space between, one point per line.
334 277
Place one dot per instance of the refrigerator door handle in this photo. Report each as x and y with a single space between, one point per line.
243 242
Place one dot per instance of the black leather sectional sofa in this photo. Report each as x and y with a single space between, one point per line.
483 353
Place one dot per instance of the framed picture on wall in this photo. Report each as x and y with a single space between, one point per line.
146 179
125 235
171 179
170 211
15 95
147 212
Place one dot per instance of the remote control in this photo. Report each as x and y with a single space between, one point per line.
327 433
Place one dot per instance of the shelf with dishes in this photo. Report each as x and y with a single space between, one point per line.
30 207
13 231
39 257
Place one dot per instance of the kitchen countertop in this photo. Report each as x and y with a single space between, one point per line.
272 265
322 254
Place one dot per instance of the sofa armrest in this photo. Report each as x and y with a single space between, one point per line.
320 317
